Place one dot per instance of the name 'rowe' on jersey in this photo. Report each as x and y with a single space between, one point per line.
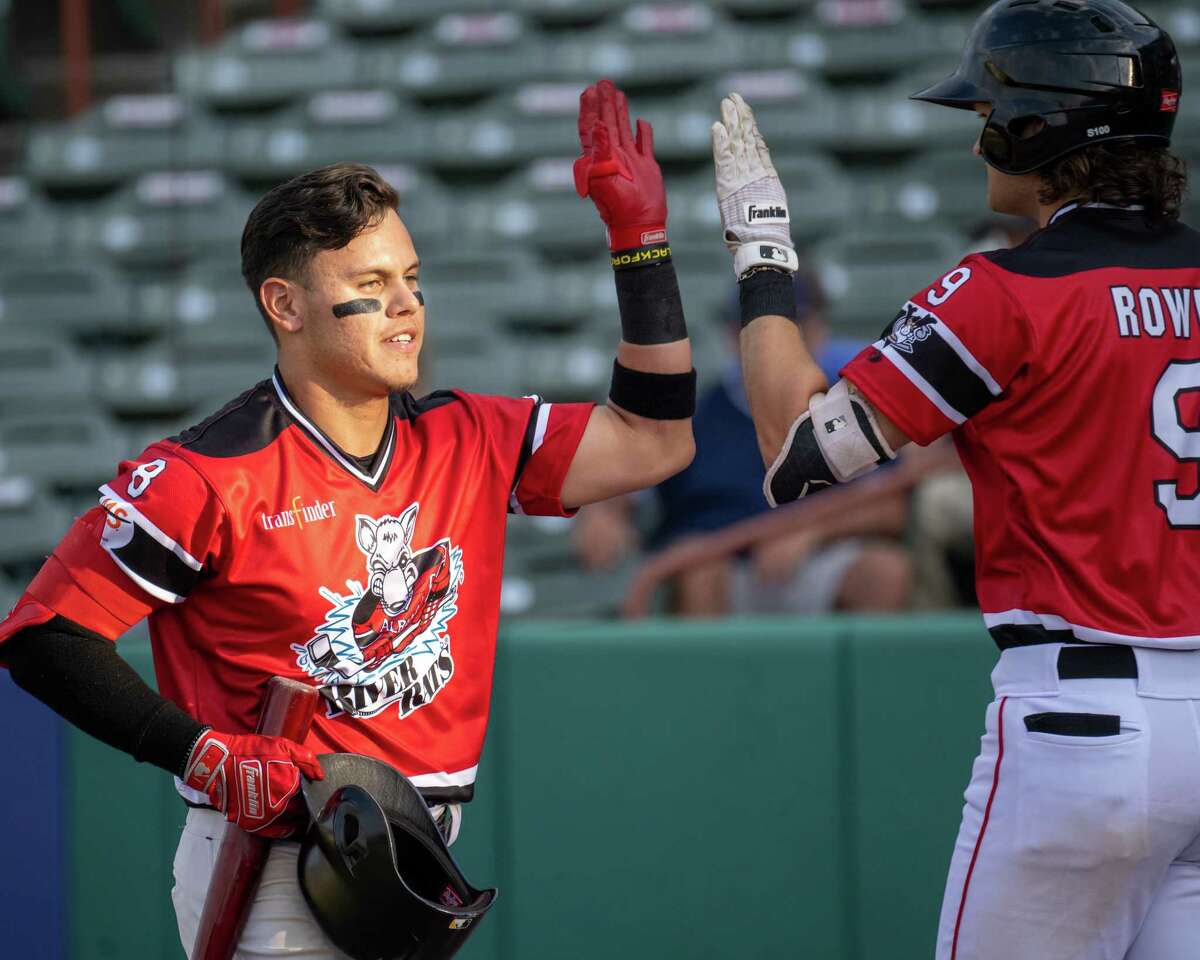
1068 370
258 548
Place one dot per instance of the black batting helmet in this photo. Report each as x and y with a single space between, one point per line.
375 870
1091 70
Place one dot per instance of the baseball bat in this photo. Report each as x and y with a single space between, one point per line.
287 711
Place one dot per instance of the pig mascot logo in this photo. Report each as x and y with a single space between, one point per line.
387 642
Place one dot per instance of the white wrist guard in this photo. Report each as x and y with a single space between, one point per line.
836 439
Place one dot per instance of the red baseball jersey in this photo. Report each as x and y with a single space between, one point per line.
256 548
1068 372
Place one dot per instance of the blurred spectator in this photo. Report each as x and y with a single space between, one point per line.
851 563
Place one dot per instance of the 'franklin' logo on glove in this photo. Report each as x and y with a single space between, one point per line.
758 213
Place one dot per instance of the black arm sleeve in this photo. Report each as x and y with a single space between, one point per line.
81 677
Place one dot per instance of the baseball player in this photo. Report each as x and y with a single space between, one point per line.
1067 370
328 526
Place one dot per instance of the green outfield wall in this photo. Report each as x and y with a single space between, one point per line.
733 789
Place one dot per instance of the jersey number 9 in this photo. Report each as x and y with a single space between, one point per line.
1182 442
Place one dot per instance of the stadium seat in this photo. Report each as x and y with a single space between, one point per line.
570 368
766 8
210 375
876 51
139 382
10 592
459 55
68 449
533 121
29 223
123 137
165 218
535 207
75 295
946 186
39 370
368 125
471 295
682 123
208 301
1181 19
268 62
796 112
30 523
885 120
869 276
371 16
651 44
564 12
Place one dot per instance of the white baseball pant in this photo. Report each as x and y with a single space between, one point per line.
279 923
1081 847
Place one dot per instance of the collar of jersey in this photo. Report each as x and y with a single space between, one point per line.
331 449
1076 205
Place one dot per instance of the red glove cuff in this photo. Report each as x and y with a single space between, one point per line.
638 235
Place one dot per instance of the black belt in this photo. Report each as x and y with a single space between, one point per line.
1097 662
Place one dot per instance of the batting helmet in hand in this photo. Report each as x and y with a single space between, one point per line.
376 871
1090 70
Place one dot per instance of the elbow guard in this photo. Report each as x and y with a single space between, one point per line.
835 440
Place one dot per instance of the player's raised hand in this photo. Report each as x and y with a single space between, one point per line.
754 210
618 171
253 780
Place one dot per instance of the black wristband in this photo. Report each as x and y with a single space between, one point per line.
655 396
767 292
650 306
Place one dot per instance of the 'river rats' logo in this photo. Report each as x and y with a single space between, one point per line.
388 642
911 326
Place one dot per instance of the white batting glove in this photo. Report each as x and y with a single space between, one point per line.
754 210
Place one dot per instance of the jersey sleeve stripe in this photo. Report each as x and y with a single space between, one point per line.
941 367
965 355
149 586
898 361
145 524
539 433
527 447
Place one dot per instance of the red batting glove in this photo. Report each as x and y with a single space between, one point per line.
620 174
253 780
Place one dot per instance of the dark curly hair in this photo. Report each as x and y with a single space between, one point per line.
1120 172
321 210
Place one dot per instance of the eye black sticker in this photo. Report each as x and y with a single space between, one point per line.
352 307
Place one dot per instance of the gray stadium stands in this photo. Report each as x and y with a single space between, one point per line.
139 323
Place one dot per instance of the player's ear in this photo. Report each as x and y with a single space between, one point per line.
281 302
